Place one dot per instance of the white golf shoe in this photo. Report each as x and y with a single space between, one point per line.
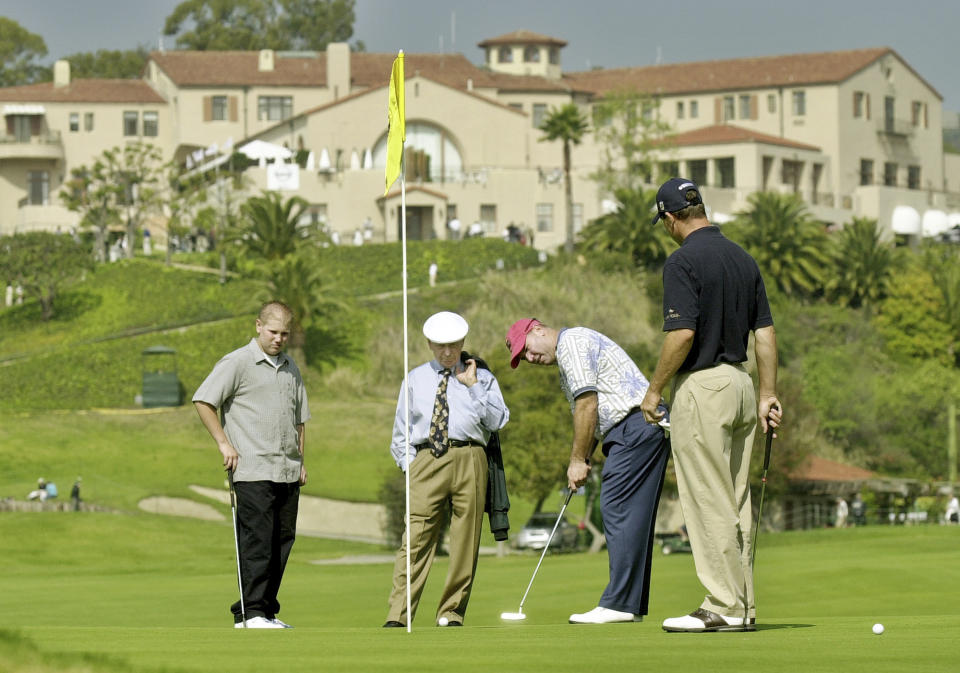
601 615
281 623
704 621
259 623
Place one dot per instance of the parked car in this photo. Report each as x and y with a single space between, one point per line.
535 532
674 543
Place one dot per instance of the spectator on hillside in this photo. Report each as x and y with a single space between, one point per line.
842 512
859 511
75 494
40 492
952 514
432 272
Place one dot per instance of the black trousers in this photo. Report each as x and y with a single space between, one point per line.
266 528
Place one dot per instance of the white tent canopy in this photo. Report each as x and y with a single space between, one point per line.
934 223
261 150
905 220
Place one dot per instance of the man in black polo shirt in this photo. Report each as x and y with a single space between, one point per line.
713 297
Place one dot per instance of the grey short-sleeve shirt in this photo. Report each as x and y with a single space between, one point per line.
261 407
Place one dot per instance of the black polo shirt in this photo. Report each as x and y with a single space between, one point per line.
712 286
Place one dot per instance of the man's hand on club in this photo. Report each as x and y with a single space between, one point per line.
770 412
577 474
230 456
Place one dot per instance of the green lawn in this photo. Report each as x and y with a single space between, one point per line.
138 592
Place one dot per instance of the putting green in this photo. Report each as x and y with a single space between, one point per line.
143 593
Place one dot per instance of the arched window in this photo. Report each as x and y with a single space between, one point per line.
531 54
431 154
505 55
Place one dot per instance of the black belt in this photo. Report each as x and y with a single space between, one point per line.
452 443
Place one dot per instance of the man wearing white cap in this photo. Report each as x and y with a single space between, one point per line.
453 409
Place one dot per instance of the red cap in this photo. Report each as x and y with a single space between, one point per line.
517 338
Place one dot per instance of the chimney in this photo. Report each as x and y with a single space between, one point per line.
338 69
61 73
265 64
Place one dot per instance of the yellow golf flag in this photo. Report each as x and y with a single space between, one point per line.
396 115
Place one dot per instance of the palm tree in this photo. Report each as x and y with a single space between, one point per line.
627 230
568 124
269 227
864 265
790 247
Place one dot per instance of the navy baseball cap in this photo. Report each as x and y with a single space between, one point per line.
676 194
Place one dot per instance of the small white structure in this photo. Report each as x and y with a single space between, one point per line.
905 220
934 223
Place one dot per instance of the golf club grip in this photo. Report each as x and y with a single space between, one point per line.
766 452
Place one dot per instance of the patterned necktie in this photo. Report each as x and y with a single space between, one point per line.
439 440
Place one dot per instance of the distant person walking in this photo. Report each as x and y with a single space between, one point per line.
859 510
713 298
842 511
75 494
454 406
952 514
604 388
260 395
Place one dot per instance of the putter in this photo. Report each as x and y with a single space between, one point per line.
756 527
236 545
518 615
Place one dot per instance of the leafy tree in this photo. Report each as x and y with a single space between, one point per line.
295 280
626 126
92 193
260 24
42 263
789 246
568 125
121 186
313 24
864 265
19 50
627 230
943 264
108 64
912 319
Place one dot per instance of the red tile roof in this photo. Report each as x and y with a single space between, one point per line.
728 133
236 68
84 91
815 468
733 74
523 37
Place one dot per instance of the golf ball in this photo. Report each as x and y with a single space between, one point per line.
878 629
443 621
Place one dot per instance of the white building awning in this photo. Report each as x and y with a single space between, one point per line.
23 109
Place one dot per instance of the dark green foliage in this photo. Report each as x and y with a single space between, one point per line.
108 63
627 232
864 265
42 264
19 51
791 248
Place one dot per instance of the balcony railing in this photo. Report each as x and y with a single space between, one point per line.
47 138
895 127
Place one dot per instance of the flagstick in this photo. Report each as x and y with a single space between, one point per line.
406 367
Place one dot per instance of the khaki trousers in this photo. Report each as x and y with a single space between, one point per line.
460 477
713 421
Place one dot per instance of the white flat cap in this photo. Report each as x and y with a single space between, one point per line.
445 328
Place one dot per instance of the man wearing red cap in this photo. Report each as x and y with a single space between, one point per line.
604 388
713 297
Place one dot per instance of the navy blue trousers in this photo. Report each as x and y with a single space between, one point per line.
637 454
266 529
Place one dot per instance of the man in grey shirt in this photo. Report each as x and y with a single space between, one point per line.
260 394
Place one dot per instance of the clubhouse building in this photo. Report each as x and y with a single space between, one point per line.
853 133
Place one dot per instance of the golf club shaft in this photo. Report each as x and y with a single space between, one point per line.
236 544
763 488
545 548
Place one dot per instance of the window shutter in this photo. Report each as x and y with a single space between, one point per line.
207 108
867 103
35 122
926 119
10 125
717 110
233 108
754 107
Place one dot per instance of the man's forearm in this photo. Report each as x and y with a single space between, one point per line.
584 426
211 421
765 348
676 346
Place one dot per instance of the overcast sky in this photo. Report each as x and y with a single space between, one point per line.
607 33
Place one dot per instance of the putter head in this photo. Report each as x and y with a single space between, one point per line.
512 616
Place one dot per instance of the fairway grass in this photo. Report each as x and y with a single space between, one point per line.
139 592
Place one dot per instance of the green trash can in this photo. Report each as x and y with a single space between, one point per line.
161 386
